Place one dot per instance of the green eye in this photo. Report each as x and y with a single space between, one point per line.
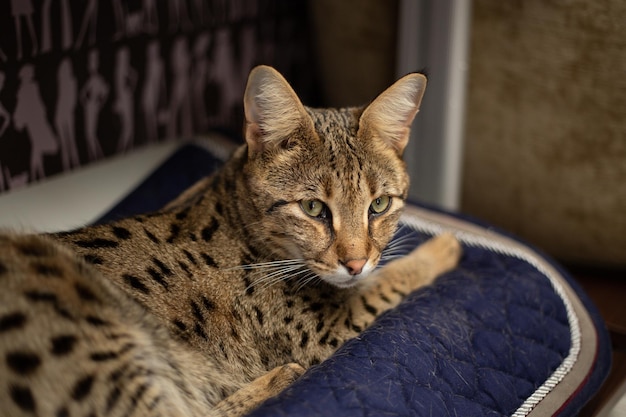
380 204
313 208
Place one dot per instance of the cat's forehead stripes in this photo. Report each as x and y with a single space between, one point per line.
337 130
333 120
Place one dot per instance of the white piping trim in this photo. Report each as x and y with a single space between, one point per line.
525 254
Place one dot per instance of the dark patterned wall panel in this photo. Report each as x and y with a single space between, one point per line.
84 79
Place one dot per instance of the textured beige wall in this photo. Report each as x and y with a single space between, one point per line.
546 125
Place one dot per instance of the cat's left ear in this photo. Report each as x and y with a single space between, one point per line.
391 114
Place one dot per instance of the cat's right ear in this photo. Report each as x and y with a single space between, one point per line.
273 110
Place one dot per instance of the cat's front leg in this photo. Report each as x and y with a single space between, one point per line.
397 279
250 396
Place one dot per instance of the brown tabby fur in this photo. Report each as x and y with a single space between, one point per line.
224 297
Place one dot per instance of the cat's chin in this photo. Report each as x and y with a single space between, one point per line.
338 274
350 282
342 279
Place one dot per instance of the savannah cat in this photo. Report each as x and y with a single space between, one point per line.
224 297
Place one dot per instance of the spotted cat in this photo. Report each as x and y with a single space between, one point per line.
224 297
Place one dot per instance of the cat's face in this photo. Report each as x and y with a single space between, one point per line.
330 184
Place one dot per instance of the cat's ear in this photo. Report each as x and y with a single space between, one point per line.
391 114
273 110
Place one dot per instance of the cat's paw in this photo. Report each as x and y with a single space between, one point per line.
252 395
442 253
281 377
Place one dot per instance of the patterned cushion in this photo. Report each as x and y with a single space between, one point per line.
506 333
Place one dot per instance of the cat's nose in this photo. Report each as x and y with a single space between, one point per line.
355 266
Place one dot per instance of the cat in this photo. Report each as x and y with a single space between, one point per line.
224 297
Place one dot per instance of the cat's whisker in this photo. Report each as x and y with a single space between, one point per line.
297 275
394 252
269 283
306 280
283 277
270 273
270 264
398 247
399 250
279 273
401 239
389 258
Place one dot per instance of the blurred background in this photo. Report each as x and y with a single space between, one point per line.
543 138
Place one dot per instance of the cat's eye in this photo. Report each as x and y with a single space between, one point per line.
380 205
314 208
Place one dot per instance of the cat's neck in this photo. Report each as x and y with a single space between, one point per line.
226 201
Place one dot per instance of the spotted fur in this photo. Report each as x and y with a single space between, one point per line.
225 296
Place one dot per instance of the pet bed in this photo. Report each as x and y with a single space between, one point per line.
507 333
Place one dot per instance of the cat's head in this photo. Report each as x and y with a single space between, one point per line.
328 184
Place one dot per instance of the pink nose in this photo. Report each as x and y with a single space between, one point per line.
355 266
